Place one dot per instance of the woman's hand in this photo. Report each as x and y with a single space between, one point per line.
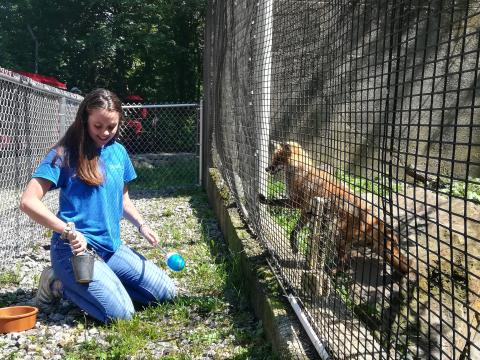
149 234
131 214
78 243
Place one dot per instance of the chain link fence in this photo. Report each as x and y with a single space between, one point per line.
162 140
349 134
33 117
164 144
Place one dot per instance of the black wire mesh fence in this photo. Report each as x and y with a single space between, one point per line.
349 134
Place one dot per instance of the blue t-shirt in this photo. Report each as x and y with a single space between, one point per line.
95 210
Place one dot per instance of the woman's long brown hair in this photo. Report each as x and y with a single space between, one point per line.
76 147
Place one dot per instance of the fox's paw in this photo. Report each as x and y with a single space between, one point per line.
262 199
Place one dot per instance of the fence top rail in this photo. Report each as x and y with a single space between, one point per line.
30 83
159 106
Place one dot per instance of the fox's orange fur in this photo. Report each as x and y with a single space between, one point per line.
355 221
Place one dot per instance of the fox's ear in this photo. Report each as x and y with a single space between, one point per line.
276 144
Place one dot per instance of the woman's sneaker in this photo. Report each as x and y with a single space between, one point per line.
49 288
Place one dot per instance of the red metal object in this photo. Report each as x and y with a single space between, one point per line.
135 125
47 80
134 98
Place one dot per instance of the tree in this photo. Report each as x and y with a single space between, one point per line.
152 47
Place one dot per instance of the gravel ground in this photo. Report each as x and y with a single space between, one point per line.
63 331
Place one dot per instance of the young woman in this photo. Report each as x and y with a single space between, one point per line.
92 171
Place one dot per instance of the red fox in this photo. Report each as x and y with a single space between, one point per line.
355 222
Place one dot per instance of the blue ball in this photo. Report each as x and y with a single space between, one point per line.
175 261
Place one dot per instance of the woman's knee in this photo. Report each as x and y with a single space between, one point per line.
161 285
157 286
170 291
119 312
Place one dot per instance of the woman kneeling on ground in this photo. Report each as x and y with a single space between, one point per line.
92 171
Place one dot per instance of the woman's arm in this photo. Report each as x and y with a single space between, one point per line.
131 213
32 205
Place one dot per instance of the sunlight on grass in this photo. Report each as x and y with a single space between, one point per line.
460 189
209 315
379 185
10 277
180 173
286 218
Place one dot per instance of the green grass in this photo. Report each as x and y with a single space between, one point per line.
459 189
10 277
378 186
179 173
286 218
210 314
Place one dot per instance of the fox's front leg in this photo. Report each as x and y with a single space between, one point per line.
302 221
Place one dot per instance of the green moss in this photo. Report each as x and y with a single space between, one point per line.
379 185
214 174
243 234
224 193
268 279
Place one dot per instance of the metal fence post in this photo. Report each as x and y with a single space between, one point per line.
200 143
265 78
62 125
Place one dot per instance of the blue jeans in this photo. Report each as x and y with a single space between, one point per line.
124 277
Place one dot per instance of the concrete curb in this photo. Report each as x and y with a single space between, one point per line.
281 326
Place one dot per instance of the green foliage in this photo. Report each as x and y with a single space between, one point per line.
175 174
459 189
286 218
148 47
171 132
378 186
343 283
275 188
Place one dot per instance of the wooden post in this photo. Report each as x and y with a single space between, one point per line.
314 280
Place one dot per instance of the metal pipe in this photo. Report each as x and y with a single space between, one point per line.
308 328
200 142
265 37
27 82
158 106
